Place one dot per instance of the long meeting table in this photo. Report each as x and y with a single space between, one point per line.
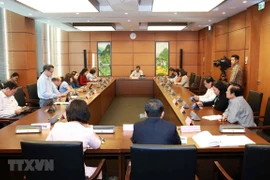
116 148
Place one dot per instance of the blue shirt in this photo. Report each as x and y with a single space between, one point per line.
75 85
45 88
63 87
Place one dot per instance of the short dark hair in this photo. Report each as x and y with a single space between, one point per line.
171 69
55 79
47 67
220 86
92 71
14 75
138 67
67 78
74 73
11 85
78 111
209 79
235 56
236 89
154 108
183 72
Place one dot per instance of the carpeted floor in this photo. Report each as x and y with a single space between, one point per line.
124 110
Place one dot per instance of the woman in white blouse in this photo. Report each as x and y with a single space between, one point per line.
209 95
77 129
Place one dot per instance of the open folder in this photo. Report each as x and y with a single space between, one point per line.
206 139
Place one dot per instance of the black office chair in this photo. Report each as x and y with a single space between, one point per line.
202 89
33 94
255 164
162 162
192 78
65 160
254 99
264 130
196 84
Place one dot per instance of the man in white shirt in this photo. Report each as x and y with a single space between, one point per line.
46 90
137 72
8 104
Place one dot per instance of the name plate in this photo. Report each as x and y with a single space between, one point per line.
190 128
183 139
188 121
128 127
182 110
134 77
42 125
174 101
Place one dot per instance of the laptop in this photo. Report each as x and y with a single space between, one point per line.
21 129
232 129
106 129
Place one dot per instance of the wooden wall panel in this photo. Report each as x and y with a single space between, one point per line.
144 47
31 60
15 23
148 71
122 59
174 61
188 46
221 27
165 36
76 59
121 36
17 60
247 37
78 36
93 47
121 71
221 42
30 42
78 47
17 41
237 40
122 47
191 59
101 36
145 36
144 59
237 21
64 46
187 36
62 60
173 47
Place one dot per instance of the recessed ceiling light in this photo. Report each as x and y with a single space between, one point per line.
244 1
185 6
175 13
88 20
77 13
94 26
170 20
209 20
62 6
166 26
223 12
30 14
128 20
2 3
126 13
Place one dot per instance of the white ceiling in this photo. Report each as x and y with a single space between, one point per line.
139 14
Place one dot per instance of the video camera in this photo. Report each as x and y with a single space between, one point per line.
224 64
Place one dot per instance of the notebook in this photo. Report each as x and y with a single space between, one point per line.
20 129
106 129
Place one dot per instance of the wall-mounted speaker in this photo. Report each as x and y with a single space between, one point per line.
84 58
181 59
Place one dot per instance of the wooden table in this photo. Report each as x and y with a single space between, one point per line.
116 148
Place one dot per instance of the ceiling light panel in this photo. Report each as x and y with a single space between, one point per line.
185 5
62 6
166 26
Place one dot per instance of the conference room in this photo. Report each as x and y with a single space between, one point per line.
226 29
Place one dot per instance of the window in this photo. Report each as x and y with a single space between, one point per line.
162 58
104 59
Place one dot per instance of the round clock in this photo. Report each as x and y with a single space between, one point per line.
132 36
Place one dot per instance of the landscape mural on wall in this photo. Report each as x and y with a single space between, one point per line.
162 58
104 58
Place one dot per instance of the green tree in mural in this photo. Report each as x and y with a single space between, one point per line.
162 63
104 59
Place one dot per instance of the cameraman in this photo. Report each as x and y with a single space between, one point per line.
236 73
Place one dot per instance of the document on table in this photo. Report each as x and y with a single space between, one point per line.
212 117
206 139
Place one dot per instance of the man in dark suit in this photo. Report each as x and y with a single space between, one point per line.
155 130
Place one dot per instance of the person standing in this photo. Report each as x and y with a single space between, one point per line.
236 73
46 90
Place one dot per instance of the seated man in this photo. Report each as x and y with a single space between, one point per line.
238 109
8 104
155 130
137 72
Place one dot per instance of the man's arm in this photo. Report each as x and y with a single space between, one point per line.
132 74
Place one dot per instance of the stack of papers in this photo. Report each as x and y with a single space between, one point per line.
212 117
206 139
